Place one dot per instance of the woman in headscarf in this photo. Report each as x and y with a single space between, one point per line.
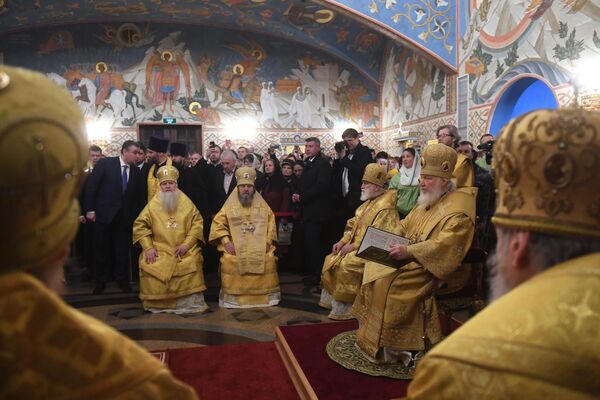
276 191
406 182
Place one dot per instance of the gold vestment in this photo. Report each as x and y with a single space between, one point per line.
49 350
342 275
152 180
539 341
249 276
169 277
396 307
464 174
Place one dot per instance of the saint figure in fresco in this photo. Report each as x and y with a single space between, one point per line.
162 78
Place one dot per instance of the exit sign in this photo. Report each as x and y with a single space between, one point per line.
169 120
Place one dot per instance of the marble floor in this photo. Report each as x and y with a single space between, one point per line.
123 311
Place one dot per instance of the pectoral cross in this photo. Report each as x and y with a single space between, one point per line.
247 226
171 223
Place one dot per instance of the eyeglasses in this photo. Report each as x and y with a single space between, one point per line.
441 135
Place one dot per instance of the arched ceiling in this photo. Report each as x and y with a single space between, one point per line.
344 28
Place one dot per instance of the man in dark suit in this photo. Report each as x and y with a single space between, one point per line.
354 158
315 199
113 199
223 180
84 239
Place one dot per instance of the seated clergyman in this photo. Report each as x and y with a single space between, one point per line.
343 270
539 337
170 231
244 231
396 308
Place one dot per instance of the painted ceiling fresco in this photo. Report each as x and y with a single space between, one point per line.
195 74
428 24
296 20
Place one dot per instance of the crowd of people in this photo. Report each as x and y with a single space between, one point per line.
536 340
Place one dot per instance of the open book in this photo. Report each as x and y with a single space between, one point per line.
375 246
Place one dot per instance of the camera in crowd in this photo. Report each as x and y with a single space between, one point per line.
487 147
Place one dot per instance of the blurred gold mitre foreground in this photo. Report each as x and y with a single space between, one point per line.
43 153
545 168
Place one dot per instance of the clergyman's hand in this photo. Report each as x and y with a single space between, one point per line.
268 247
337 247
181 250
150 256
398 252
230 248
346 249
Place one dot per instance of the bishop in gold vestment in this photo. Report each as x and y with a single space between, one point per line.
48 350
170 231
396 308
244 231
539 338
343 270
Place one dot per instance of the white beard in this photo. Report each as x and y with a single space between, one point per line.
369 194
430 198
169 201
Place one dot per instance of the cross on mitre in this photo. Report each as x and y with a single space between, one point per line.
246 176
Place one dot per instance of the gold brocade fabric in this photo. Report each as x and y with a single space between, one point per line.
342 275
50 351
170 277
153 183
252 271
539 341
464 174
395 307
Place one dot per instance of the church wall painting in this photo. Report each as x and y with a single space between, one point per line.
413 88
547 39
197 74
505 40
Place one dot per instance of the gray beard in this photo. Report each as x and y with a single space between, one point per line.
498 285
169 201
245 199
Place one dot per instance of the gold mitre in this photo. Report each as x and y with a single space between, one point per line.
438 160
43 151
545 170
375 174
245 176
167 173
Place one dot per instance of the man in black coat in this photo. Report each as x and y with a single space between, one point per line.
223 180
113 199
315 199
353 161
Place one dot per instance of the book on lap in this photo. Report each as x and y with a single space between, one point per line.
375 246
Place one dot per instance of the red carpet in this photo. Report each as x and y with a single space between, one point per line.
234 371
329 380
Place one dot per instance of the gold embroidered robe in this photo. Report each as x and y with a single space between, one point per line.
539 341
169 277
342 275
49 350
395 307
249 276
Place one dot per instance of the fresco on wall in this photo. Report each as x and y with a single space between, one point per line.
545 38
196 74
297 20
412 89
431 24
